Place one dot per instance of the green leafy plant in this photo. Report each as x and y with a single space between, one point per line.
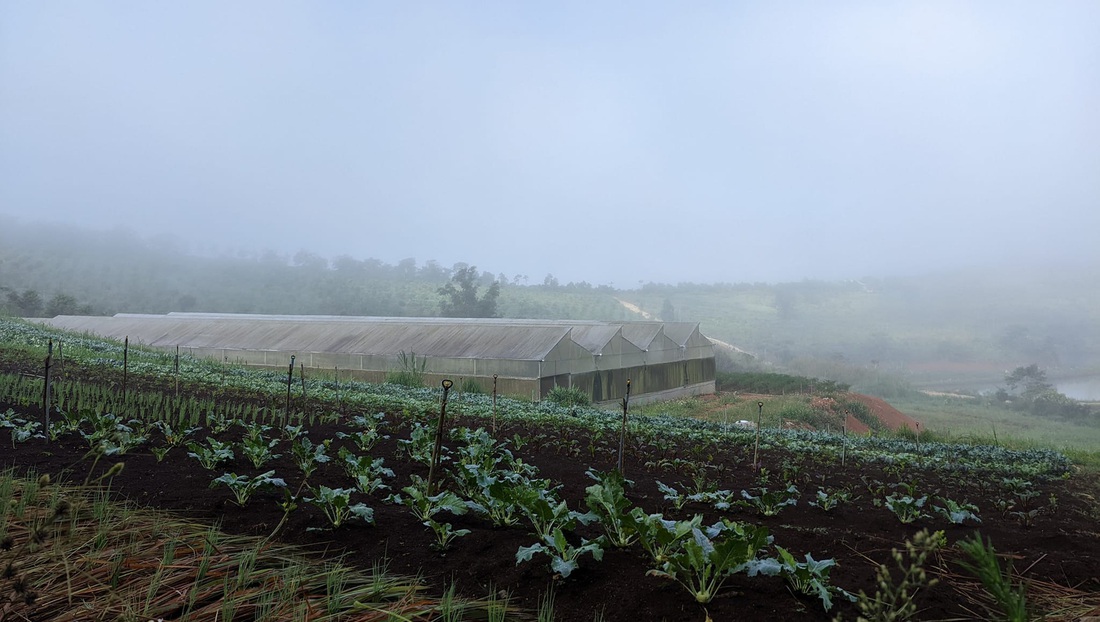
212 454
425 507
907 508
811 577
545 512
675 497
421 443
485 472
607 500
173 437
307 455
112 435
830 500
291 432
957 513
256 447
337 506
770 502
660 536
563 555
21 430
367 437
704 561
243 487
368 472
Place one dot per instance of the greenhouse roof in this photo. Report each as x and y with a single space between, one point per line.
511 339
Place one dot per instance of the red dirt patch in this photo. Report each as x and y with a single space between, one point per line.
887 414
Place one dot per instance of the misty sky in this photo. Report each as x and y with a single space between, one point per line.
600 141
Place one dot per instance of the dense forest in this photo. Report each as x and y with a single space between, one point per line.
969 325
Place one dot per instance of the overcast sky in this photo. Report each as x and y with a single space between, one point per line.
597 141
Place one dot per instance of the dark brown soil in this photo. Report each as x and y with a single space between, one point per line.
1061 547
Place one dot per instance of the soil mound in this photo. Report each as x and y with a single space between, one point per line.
887 414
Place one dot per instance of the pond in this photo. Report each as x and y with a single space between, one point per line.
1084 389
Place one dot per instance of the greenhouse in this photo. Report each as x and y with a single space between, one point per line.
525 358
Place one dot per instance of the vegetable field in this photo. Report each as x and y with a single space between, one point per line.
522 503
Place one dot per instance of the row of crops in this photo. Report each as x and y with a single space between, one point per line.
484 476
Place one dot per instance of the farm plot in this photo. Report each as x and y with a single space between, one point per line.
527 503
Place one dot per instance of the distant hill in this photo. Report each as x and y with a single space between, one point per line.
871 333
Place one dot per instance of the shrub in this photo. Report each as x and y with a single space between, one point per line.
568 397
864 415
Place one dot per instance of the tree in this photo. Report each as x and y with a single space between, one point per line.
1028 382
62 304
668 312
27 304
460 297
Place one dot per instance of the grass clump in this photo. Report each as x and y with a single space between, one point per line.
1010 601
410 372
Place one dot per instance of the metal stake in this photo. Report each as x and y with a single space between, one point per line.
447 384
622 435
756 449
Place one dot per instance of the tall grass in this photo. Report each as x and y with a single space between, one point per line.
67 552
961 419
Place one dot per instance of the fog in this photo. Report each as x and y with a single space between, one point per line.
613 143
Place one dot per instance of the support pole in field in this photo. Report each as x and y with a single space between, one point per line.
289 383
494 404
447 384
336 377
756 449
302 375
176 372
125 367
844 440
46 391
622 434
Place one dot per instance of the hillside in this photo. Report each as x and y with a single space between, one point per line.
963 328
